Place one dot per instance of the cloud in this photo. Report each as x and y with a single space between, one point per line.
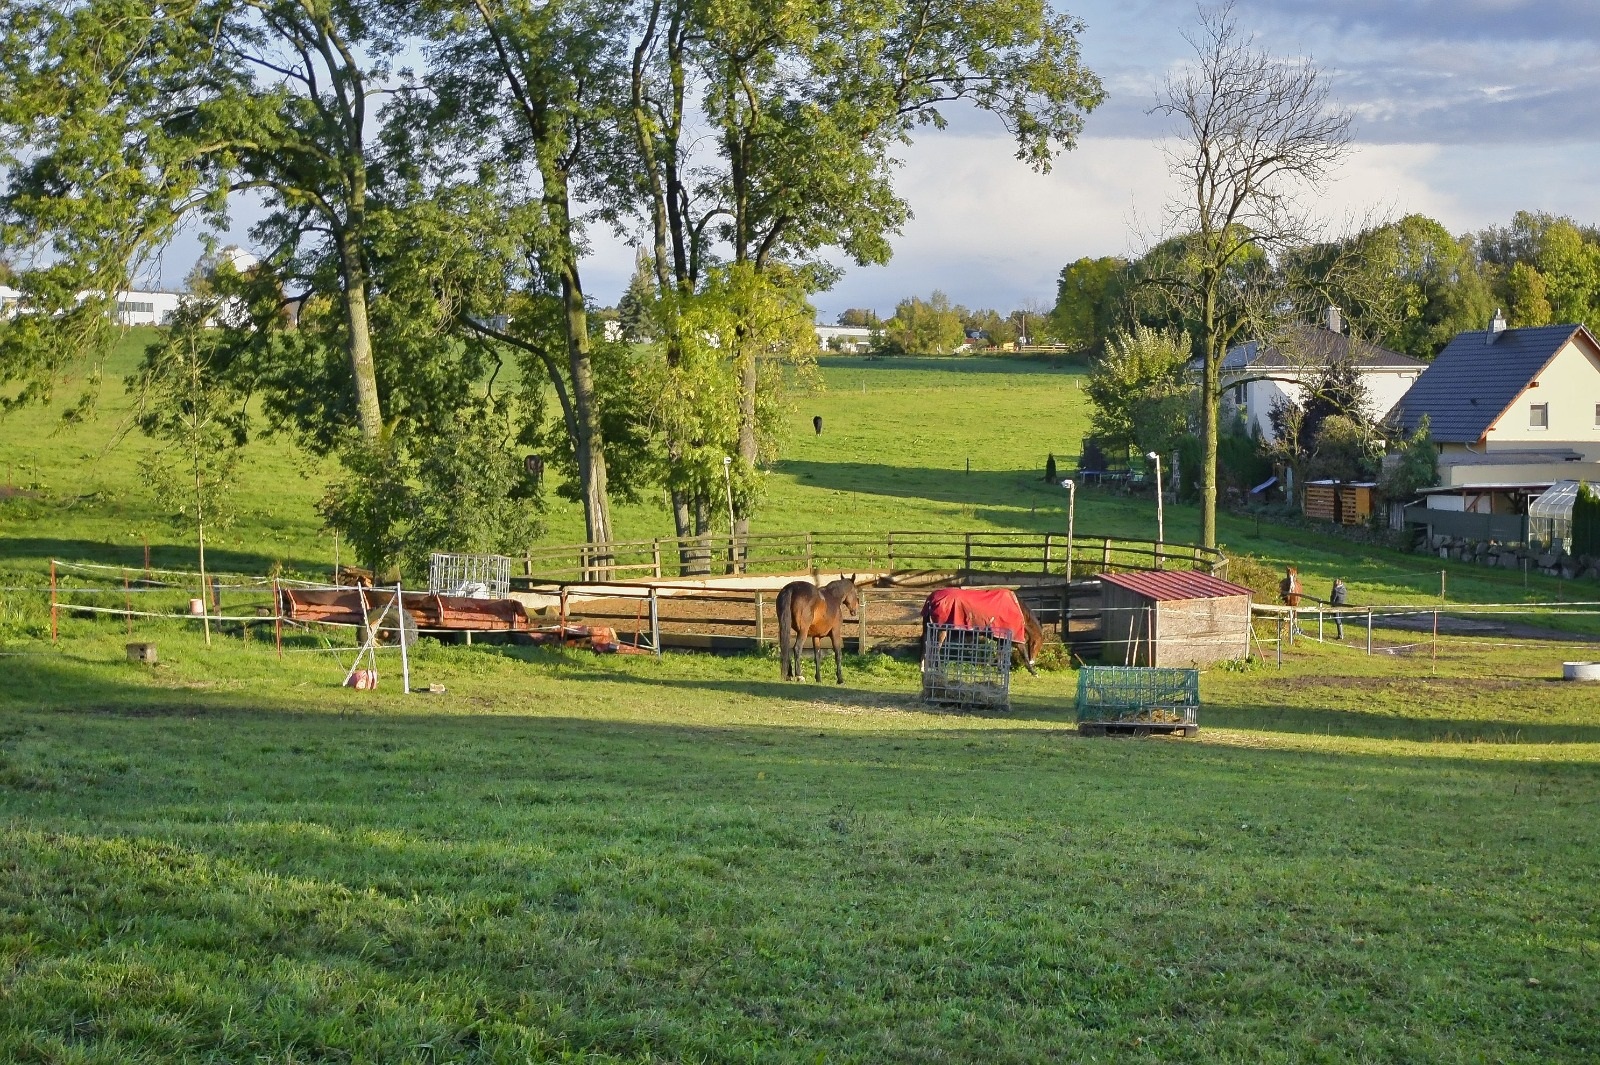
1423 71
990 233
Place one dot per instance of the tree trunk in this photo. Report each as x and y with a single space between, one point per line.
363 371
589 443
1209 406
748 379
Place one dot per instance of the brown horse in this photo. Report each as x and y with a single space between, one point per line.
1027 648
1033 638
804 610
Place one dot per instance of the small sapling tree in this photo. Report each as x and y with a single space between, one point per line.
186 403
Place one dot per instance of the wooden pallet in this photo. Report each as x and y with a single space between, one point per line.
1136 728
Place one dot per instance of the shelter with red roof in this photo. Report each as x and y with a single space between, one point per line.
1173 618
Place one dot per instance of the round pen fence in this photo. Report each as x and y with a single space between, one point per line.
721 592
904 554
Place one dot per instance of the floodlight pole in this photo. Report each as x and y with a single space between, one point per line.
1161 525
1072 499
727 482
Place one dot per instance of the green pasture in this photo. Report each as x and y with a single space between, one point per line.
898 438
573 858
566 857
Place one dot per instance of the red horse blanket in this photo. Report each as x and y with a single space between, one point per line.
977 608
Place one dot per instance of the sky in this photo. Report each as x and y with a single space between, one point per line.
1464 110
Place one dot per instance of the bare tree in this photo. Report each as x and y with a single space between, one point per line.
1254 133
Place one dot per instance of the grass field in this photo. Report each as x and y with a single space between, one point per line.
566 857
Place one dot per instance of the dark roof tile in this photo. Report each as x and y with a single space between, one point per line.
1472 381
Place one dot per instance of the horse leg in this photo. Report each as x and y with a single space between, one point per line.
838 657
816 656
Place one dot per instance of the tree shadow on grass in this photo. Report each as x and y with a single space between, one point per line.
39 550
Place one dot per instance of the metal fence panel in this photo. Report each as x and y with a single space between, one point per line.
470 576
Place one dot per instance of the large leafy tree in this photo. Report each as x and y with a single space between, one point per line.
806 103
1089 297
1141 392
121 122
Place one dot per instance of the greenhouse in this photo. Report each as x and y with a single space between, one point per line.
1550 516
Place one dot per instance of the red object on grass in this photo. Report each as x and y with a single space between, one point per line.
977 608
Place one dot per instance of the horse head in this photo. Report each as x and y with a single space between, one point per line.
850 596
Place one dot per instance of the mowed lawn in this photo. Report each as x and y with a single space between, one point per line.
567 857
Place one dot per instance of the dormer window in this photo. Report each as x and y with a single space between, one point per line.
1539 416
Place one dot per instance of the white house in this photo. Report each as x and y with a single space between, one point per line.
1511 406
846 338
1256 376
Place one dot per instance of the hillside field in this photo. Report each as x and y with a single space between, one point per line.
574 858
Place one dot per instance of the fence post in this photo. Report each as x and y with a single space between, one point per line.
811 557
54 637
655 557
891 554
967 555
1280 641
1105 558
861 624
761 620
1046 553
127 602
1369 631
655 623
277 617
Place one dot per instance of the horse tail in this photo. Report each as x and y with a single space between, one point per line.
785 629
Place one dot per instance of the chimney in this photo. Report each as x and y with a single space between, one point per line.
1497 325
1335 320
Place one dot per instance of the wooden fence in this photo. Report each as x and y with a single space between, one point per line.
897 553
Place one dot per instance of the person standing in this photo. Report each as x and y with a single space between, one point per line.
1337 599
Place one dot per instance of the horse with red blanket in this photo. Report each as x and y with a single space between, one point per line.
996 609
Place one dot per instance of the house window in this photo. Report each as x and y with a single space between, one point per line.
1597 415
1238 397
1539 416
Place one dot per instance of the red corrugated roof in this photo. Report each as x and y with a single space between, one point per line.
1169 585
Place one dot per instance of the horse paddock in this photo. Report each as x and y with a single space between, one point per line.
629 587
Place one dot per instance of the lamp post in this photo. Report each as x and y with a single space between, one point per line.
727 482
1161 525
1072 499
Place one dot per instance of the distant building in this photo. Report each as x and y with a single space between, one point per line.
846 338
132 307
146 308
1256 377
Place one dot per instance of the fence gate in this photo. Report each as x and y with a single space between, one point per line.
966 667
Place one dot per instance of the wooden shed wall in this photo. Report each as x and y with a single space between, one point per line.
1186 632
1197 632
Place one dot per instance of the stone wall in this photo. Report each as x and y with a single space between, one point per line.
1551 563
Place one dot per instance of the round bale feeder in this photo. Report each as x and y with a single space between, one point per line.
966 667
1173 618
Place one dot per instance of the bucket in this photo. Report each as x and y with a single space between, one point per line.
1580 671
363 679
197 607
